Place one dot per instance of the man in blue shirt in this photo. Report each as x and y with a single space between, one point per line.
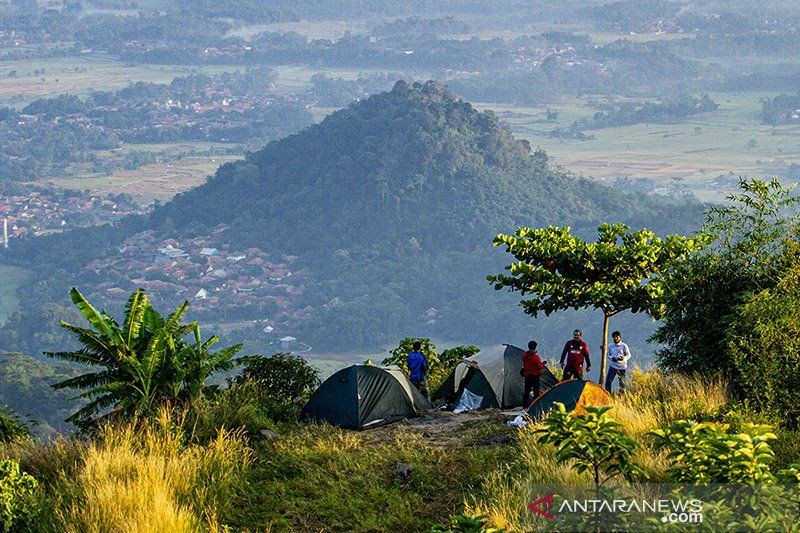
418 370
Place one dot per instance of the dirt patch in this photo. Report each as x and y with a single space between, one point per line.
444 429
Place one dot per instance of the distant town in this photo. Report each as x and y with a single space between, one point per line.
40 213
223 284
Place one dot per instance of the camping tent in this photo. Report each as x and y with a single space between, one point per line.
365 396
574 394
491 379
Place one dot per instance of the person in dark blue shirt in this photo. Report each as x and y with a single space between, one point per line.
418 370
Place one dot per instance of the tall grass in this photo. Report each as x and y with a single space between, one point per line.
136 478
506 493
656 399
652 400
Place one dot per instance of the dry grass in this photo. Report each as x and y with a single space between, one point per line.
506 493
652 401
135 479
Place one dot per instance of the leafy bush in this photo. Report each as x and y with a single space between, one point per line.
705 293
12 426
282 376
450 357
708 452
279 386
762 342
17 500
467 524
398 356
439 365
591 442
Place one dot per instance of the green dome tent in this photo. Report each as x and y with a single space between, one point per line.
365 396
574 394
490 379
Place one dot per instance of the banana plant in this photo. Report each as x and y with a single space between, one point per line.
142 364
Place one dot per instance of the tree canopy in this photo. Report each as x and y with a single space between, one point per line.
750 255
623 270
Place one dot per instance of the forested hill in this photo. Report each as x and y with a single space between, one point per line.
389 207
413 164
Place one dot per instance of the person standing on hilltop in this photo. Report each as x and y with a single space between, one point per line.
618 355
532 367
418 369
575 351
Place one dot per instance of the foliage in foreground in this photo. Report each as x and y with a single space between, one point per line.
306 478
145 362
653 401
590 443
17 500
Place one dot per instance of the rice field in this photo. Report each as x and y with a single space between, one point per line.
694 153
158 181
26 80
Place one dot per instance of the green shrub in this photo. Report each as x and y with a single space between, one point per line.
762 340
17 498
708 452
787 448
12 426
282 384
467 524
439 365
398 356
592 442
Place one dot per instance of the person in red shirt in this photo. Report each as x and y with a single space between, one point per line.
532 366
575 351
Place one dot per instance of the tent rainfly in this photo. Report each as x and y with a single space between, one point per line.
491 379
574 394
364 397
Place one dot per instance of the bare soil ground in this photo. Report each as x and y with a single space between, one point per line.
444 429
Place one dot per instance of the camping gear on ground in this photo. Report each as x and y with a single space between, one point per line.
574 394
365 396
490 379
518 422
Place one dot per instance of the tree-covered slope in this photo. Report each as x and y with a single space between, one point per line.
390 207
413 163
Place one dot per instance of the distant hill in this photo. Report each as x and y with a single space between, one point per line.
413 163
390 207
393 203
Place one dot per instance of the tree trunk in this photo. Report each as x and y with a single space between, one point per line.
604 350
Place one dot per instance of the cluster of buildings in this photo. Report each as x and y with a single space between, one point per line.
40 213
233 285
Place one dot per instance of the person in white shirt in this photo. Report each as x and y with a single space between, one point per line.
618 354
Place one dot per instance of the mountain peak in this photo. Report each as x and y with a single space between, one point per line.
414 162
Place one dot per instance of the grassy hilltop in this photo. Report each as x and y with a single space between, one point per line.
312 478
